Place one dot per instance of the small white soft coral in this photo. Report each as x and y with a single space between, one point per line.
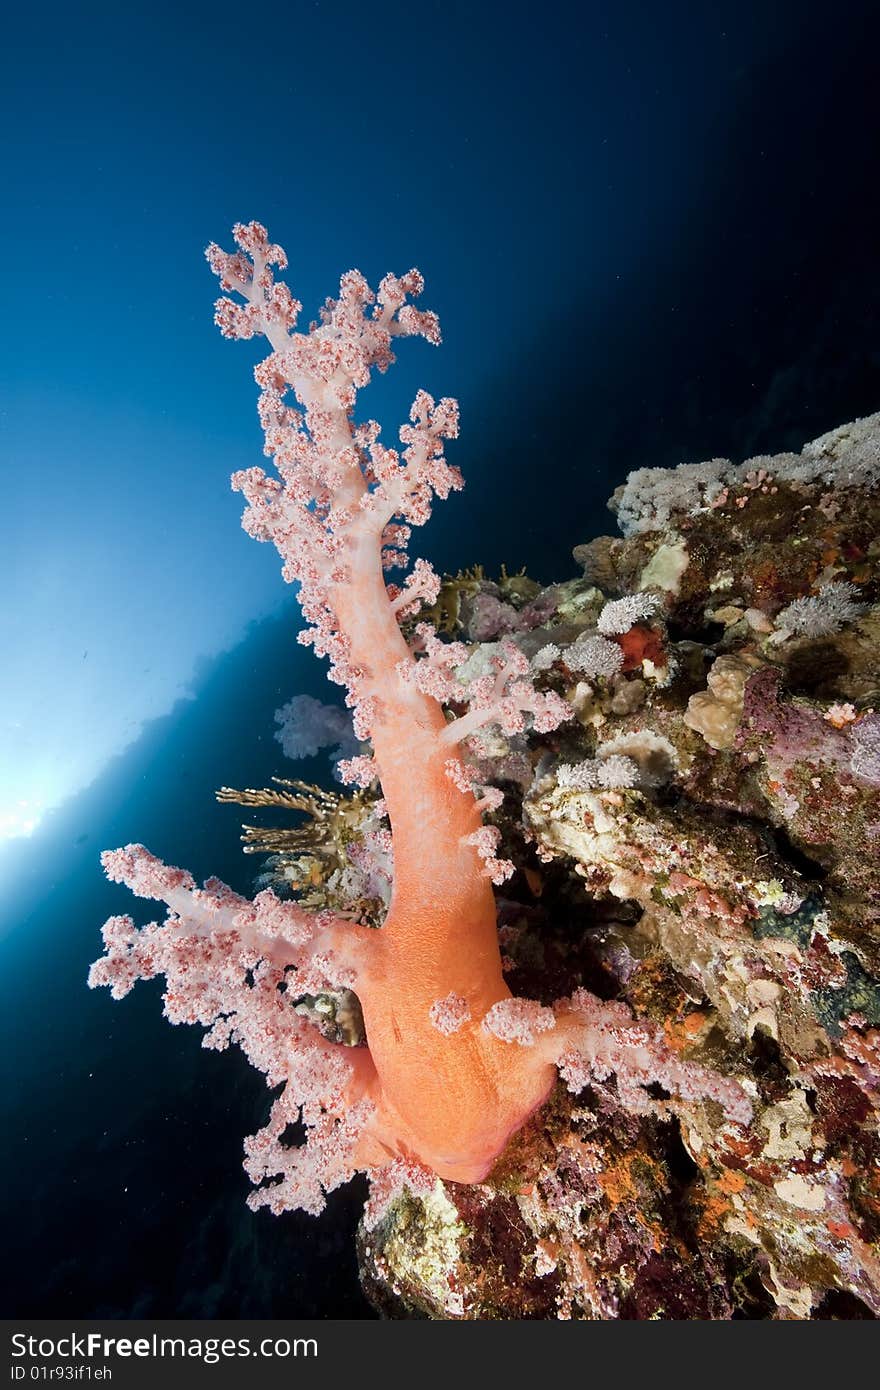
620 614
594 656
611 773
818 615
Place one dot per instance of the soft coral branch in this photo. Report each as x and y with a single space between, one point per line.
236 967
212 941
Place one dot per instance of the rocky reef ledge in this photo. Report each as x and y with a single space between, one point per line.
702 843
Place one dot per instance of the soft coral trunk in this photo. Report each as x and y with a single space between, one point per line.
451 1102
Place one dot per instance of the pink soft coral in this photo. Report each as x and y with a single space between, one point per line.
453 1066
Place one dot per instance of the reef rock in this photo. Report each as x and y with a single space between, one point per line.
700 842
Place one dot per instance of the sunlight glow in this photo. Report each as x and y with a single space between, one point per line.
20 818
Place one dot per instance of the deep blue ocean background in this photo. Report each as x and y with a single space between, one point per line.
724 299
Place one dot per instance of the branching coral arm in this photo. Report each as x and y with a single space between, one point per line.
235 967
212 940
592 1040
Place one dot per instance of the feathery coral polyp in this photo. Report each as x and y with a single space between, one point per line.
453 1065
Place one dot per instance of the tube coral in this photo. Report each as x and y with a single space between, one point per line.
453 1066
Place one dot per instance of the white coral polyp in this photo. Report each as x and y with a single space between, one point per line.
819 615
621 614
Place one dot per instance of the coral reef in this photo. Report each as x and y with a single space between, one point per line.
584 976
700 845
